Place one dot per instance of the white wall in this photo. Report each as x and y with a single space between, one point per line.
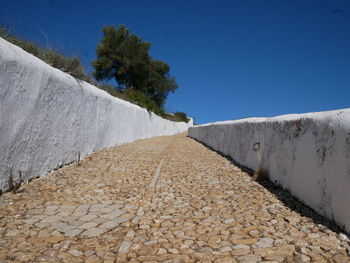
47 116
308 154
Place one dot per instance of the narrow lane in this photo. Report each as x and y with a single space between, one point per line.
165 199
79 213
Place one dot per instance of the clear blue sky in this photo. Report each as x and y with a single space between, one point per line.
231 59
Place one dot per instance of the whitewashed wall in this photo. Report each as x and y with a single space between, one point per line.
308 154
47 116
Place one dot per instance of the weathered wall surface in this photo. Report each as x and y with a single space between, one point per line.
308 154
47 116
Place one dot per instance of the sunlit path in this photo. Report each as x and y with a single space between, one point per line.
166 199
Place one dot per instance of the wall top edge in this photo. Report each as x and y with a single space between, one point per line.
341 116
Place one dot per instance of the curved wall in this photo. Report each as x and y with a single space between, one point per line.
47 117
308 154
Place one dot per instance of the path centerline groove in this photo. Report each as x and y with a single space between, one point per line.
164 199
159 167
156 174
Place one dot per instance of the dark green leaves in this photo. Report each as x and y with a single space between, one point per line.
124 56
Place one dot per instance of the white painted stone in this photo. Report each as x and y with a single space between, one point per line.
124 247
76 253
308 154
48 116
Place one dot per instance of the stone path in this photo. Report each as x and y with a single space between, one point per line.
166 199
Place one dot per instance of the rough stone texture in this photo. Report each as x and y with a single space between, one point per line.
247 221
47 117
308 154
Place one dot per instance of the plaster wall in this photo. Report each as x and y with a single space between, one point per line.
308 154
48 116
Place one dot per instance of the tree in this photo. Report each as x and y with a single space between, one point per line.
160 83
124 56
120 55
181 116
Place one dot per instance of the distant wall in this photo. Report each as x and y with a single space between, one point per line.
47 116
308 154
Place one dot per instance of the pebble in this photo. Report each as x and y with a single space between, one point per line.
202 208
162 251
75 252
124 247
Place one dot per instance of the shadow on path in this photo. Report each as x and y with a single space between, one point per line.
283 195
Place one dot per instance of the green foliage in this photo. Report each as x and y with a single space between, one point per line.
70 65
24 44
123 56
111 90
159 84
143 101
120 55
147 80
181 116
139 98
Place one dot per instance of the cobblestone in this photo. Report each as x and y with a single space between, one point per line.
165 199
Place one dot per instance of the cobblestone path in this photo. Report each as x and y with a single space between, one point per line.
165 199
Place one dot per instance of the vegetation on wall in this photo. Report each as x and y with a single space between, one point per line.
122 56
68 64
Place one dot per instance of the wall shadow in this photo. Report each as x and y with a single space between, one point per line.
283 195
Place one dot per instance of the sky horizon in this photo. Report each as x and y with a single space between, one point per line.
231 59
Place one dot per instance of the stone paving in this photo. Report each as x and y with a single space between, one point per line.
165 199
